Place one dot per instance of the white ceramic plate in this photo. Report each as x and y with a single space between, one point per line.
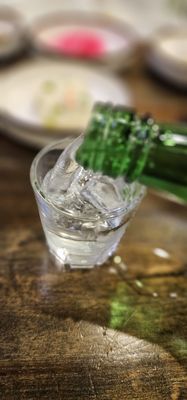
168 55
106 39
12 33
42 100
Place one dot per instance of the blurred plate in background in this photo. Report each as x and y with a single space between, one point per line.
145 15
12 33
43 100
86 36
167 55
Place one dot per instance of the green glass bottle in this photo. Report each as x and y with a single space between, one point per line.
119 142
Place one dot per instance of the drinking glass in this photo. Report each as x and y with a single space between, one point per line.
73 240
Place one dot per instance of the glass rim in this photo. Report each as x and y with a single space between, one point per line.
36 187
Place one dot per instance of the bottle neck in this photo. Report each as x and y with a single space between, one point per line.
117 141
166 165
120 143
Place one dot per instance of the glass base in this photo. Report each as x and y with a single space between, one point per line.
77 261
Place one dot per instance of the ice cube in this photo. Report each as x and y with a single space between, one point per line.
69 186
103 194
59 179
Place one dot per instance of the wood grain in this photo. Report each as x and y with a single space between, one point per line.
115 332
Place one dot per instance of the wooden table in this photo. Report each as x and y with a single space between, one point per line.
112 333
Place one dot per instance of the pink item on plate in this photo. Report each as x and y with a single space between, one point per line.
79 43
